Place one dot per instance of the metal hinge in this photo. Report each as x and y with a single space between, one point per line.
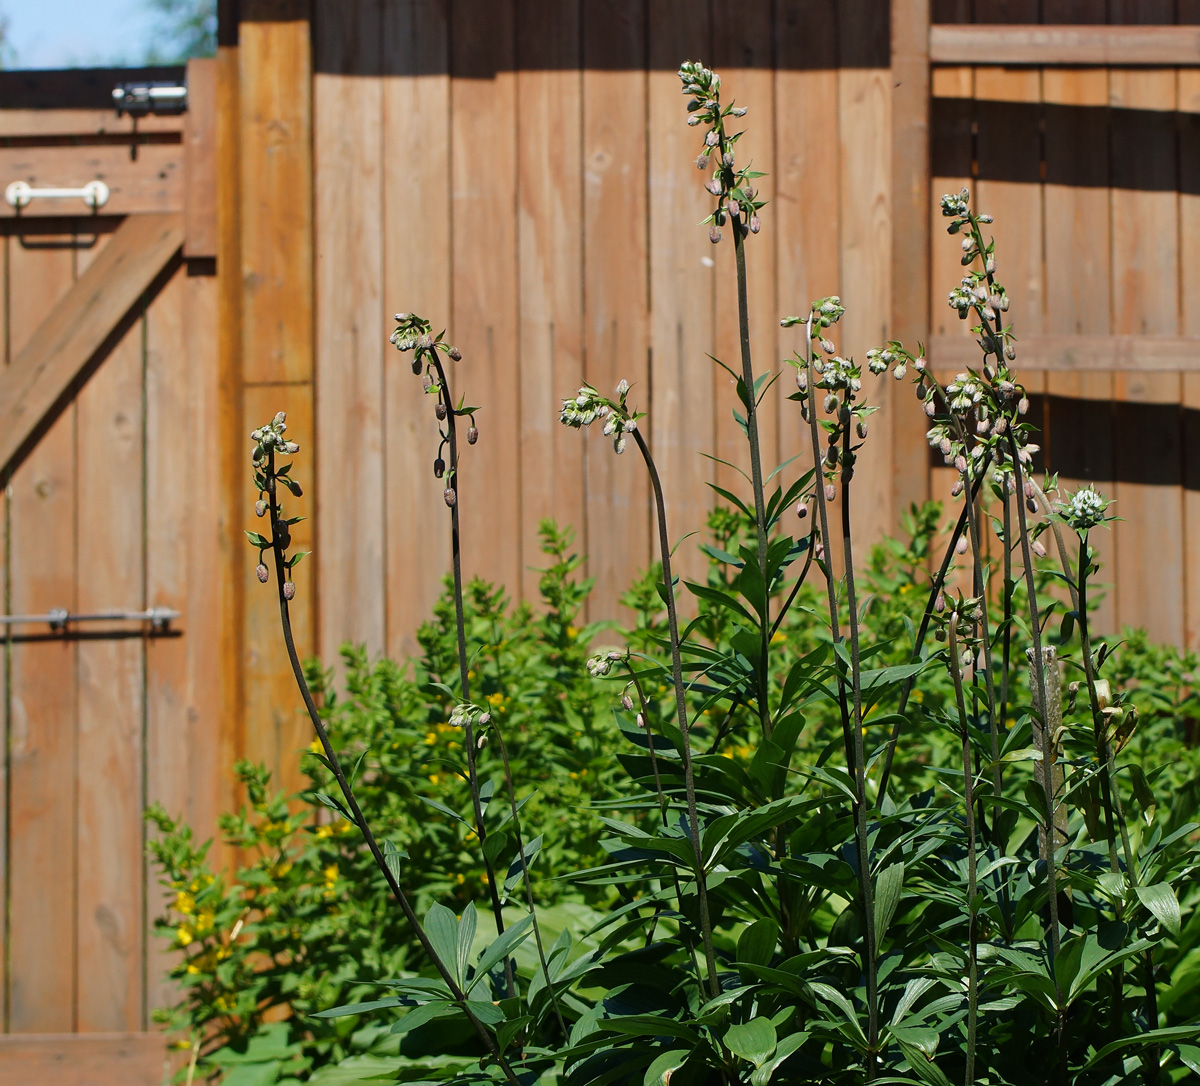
149 97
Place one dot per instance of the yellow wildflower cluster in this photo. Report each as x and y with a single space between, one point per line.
332 829
207 962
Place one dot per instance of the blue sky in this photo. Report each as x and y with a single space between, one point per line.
63 33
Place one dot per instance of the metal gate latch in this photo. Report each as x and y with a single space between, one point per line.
20 193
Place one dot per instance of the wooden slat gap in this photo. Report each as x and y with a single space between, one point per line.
1048 46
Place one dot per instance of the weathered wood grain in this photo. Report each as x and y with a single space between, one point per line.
615 286
45 370
1152 46
417 278
351 331
66 1059
42 725
550 275
200 161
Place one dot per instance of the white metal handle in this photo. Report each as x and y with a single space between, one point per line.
20 193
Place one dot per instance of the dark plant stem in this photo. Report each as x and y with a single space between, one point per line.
463 676
756 471
537 928
1009 588
1039 670
348 792
969 797
860 759
939 583
689 780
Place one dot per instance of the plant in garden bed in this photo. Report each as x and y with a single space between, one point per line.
833 853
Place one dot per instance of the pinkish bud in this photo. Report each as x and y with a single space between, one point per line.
714 235
260 508
261 573
449 496
802 510
641 721
830 492
627 703
1038 548
472 435
961 546
755 224
1023 405
440 410
289 590
455 354
957 488
939 604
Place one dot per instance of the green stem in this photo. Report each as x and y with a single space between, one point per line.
689 780
348 792
969 797
463 670
756 472
860 759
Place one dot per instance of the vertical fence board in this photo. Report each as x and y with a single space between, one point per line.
351 331
417 278
485 324
42 737
615 285
743 52
952 114
1145 241
109 568
549 240
1079 442
807 190
681 281
865 138
277 728
1189 268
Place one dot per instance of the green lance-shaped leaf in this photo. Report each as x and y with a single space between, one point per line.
496 951
1161 901
888 886
664 1066
753 1041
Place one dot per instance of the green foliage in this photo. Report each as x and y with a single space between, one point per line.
182 29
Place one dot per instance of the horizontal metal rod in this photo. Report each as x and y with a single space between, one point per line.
59 617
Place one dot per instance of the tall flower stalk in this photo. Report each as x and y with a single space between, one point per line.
738 205
269 442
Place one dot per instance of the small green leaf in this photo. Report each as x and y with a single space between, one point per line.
888 885
753 1041
358 1008
1161 901
660 1071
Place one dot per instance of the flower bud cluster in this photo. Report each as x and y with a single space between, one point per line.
1085 509
464 714
270 438
737 199
589 405
601 664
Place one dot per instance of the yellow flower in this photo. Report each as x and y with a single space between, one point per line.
778 636
495 699
460 878
918 696
572 632
430 738
315 747
331 876
185 903
434 778
204 921
185 935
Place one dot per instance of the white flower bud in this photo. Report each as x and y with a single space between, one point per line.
289 590
261 573
1023 405
1037 548
830 492
939 604
449 496
961 546
627 703
802 510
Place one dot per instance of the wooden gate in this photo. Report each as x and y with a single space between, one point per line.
108 402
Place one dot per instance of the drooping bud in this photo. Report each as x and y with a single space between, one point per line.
472 435
961 546
802 510
439 468
830 492
455 354
862 429
1038 548
260 508
641 720
627 703
261 573
449 496
755 224
440 410
714 235
289 590
939 604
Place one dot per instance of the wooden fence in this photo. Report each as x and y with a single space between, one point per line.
519 171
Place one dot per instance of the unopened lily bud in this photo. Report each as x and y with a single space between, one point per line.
1031 504
472 435
831 456
861 428
440 410
755 224
416 365
820 552
802 510
714 235
939 604
400 318
1023 405
961 546
734 207
455 354
261 573
827 346
1038 548
899 372
280 418
830 492
830 403
439 468
944 446
711 139
1001 425
627 702
289 590
641 720
960 464
427 382
1010 352
481 742
449 496
260 508
957 488
930 408
291 447
802 379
